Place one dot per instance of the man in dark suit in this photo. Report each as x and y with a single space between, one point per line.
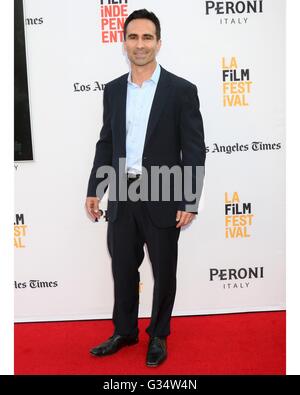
151 119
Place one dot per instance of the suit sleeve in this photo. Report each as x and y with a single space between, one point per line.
103 154
193 148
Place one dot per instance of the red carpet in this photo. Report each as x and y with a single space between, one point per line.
251 343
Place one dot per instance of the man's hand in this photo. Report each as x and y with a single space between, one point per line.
184 218
92 208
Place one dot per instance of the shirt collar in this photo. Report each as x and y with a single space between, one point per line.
154 77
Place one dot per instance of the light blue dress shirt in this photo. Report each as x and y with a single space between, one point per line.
139 103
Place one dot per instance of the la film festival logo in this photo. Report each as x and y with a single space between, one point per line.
237 85
233 12
113 15
238 217
20 231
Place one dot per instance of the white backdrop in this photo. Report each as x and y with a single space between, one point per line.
62 266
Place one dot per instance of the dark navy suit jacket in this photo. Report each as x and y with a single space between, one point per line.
174 136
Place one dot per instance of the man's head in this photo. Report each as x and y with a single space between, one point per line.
142 37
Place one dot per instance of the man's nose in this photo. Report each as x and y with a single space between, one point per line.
140 43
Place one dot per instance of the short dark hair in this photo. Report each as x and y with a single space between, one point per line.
143 14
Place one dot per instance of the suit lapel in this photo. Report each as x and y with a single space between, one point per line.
158 103
121 111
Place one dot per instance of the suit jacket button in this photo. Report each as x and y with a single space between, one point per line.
145 157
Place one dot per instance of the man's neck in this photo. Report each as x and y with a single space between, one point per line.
139 74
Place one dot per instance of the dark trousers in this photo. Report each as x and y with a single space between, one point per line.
126 238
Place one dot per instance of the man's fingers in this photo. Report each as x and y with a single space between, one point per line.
178 215
185 218
96 211
178 218
92 207
188 218
90 210
182 219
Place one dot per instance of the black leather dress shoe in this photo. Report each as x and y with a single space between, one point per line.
113 344
157 351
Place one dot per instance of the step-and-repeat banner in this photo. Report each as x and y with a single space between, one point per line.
232 256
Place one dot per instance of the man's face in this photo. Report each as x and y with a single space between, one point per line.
141 43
